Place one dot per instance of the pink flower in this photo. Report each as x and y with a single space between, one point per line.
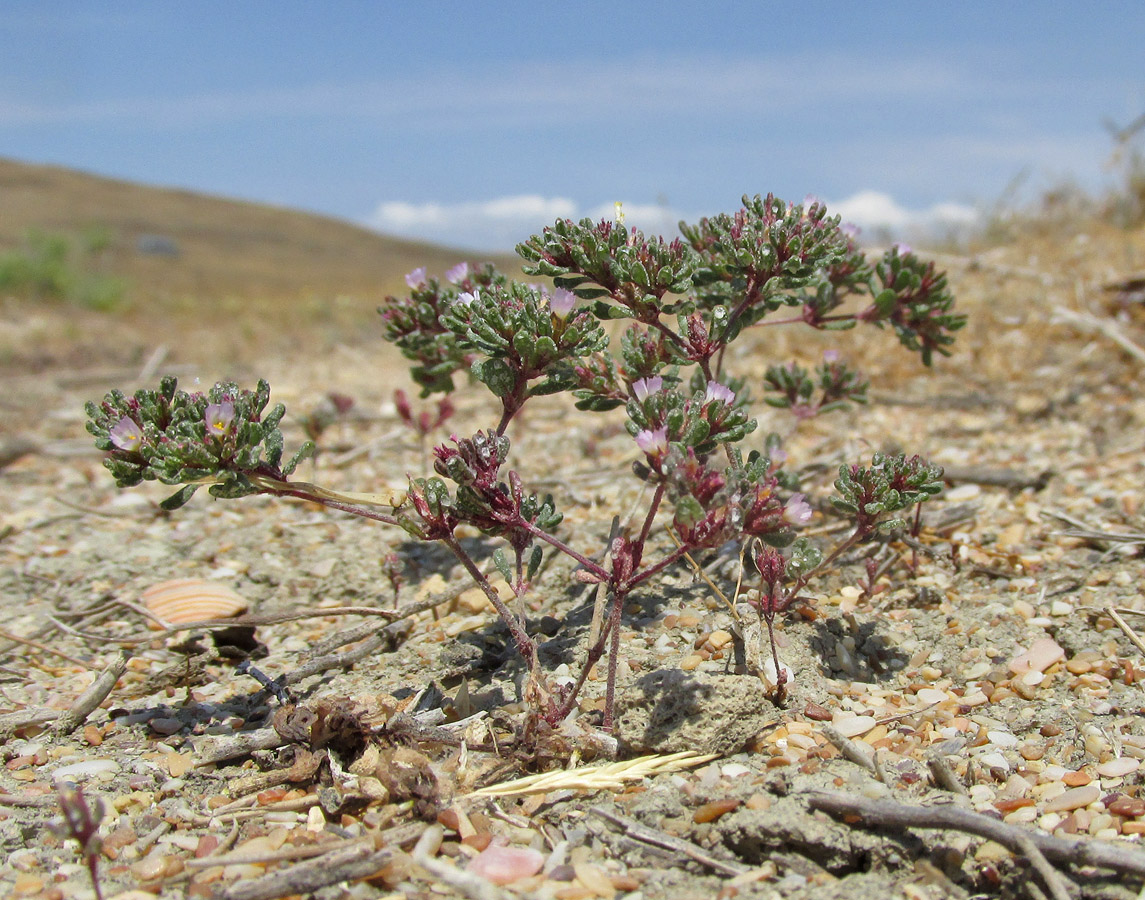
830 356
653 443
416 278
901 249
465 298
219 416
126 434
457 274
717 391
645 387
562 302
797 511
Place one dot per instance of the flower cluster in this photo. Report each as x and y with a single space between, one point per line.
224 438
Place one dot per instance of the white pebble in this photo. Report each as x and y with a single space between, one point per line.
993 761
855 725
1116 768
1002 739
930 696
86 769
1061 608
962 492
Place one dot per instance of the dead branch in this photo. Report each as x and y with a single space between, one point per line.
634 830
358 860
89 700
889 814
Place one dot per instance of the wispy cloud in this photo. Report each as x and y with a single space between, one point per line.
499 224
571 90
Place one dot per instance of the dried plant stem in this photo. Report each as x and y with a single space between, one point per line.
43 648
644 834
887 813
89 700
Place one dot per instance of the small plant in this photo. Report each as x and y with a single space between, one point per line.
686 302
81 822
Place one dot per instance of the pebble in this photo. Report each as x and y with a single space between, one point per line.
855 725
1042 654
1074 798
1002 739
1129 807
504 865
994 761
1116 768
85 769
930 696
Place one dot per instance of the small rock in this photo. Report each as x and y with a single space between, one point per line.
1116 768
1075 798
86 769
504 865
1042 654
855 725
1129 807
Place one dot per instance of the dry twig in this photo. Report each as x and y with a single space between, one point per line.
89 700
887 813
644 834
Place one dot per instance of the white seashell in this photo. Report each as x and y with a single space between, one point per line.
192 600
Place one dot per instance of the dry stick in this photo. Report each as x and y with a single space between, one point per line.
12 722
850 749
43 648
89 700
1052 878
1077 852
944 776
286 854
1124 626
636 831
1108 329
35 801
240 745
359 860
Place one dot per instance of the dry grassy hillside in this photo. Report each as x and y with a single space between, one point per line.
185 256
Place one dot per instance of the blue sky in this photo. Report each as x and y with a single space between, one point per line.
476 124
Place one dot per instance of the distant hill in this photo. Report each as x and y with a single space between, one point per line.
205 277
176 244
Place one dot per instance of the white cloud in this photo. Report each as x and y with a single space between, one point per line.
493 225
499 224
880 211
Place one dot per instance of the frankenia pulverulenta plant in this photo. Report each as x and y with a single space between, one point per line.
686 301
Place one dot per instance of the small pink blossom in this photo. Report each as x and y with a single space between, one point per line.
653 443
902 249
458 273
717 391
416 278
562 302
850 229
797 511
126 434
467 297
219 416
645 387
830 356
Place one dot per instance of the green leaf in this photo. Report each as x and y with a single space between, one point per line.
179 497
502 564
496 375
